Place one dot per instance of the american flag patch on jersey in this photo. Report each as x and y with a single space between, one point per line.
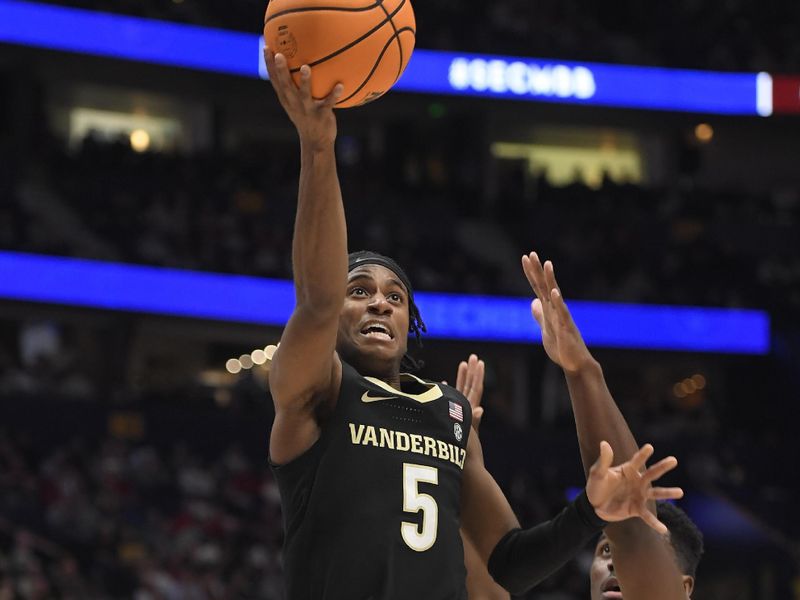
456 411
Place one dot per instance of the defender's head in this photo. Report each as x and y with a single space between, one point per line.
377 316
685 541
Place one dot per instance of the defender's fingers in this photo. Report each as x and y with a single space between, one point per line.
550 276
536 279
605 460
560 305
660 468
639 459
653 522
662 493
534 274
538 313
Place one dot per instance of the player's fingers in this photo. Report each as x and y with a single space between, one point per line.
305 83
477 416
461 376
662 493
268 60
283 80
476 382
332 98
472 371
272 71
653 522
480 375
660 468
640 458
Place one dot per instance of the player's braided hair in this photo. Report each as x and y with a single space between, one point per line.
415 323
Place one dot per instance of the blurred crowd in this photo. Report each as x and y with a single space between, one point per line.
729 35
232 213
118 521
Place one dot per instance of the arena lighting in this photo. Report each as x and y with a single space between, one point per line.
132 288
433 72
233 366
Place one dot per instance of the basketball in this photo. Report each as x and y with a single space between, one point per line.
363 44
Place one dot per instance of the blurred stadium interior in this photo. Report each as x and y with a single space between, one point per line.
133 446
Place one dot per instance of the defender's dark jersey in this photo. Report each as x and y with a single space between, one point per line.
371 511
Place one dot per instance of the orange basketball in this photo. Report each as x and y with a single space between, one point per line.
363 44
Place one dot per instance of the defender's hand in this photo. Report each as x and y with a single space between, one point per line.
621 492
314 119
560 336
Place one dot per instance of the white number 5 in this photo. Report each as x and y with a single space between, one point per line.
414 501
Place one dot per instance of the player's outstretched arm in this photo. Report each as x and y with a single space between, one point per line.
519 559
644 563
304 370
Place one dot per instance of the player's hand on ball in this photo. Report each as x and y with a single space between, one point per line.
560 336
469 381
621 492
314 119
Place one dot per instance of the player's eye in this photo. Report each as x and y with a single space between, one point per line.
395 297
606 550
358 291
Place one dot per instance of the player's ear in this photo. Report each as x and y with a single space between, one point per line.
688 585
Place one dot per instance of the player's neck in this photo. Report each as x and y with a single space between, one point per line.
388 371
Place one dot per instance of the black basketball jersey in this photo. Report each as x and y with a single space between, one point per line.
371 511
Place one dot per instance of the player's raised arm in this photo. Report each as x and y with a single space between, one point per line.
305 371
645 565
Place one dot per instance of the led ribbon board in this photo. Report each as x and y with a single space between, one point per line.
130 288
432 72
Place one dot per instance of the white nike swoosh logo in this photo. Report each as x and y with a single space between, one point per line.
367 398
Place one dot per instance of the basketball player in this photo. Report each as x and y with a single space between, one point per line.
645 565
377 471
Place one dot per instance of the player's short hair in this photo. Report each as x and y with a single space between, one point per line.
415 323
684 536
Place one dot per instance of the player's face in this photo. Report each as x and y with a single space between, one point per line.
373 325
603 579
604 582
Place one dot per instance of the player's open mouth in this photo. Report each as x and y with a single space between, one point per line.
377 330
611 589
